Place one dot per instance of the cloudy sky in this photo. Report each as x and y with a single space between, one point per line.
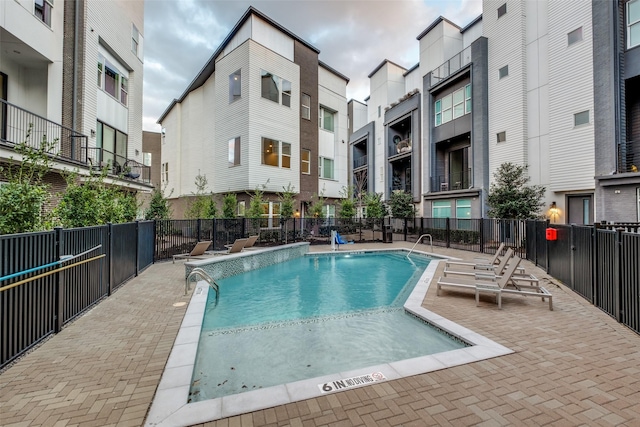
353 37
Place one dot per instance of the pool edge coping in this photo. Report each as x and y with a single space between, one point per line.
167 409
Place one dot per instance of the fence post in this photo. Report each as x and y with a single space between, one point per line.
546 244
617 282
448 232
60 297
137 247
405 230
481 235
110 269
155 240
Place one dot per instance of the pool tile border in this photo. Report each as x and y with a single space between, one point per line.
168 407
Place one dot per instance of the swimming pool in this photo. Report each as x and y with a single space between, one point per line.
170 405
308 317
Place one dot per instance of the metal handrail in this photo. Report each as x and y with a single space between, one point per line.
204 276
418 241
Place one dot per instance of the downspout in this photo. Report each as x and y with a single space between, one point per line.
75 70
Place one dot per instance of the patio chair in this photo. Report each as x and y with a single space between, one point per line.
480 263
509 282
495 269
237 246
251 241
197 252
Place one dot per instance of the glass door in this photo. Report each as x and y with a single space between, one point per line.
3 106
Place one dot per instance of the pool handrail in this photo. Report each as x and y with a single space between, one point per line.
418 241
204 276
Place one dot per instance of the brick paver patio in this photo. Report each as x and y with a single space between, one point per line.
572 366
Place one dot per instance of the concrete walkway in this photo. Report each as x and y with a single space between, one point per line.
572 366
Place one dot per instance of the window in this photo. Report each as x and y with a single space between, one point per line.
113 146
447 114
305 162
146 159
134 39
503 72
441 209
270 214
124 89
164 174
271 87
581 118
43 10
329 211
501 136
326 119
276 153
502 10
458 103
235 83
633 23
325 168
574 36
438 111
305 108
234 151
286 155
463 214
112 81
463 208
241 208
467 99
286 93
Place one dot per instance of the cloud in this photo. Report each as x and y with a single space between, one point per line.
354 37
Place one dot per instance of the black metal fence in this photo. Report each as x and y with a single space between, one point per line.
601 263
49 278
42 288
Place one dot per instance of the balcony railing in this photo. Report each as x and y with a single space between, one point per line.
455 63
629 156
451 182
360 162
16 123
402 147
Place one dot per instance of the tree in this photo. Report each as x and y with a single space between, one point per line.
317 206
202 205
375 205
158 206
287 200
347 206
401 205
22 197
93 203
510 197
229 206
255 206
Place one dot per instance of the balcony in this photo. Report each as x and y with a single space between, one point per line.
628 156
400 147
70 146
360 162
453 181
455 63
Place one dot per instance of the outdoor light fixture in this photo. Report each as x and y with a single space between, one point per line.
554 212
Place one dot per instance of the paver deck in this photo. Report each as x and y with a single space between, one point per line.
572 366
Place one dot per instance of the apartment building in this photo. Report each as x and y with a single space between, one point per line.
514 85
616 65
264 112
71 72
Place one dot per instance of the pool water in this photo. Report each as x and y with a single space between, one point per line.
308 317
